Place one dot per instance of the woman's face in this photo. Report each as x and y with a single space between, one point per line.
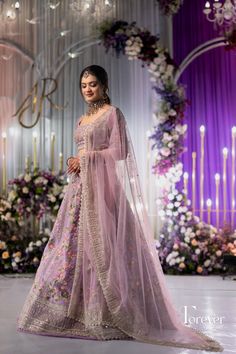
91 88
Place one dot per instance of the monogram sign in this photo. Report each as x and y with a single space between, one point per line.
34 102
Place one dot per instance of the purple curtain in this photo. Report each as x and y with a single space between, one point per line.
211 86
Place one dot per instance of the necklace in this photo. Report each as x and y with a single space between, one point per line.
93 107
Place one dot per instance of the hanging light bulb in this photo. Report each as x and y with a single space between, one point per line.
17 5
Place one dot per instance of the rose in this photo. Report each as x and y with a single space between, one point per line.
17 254
2 245
199 269
207 263
165 151
182 265
27 178
5 255
194 242
218 253
25 190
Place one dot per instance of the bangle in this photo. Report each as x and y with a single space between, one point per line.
71 157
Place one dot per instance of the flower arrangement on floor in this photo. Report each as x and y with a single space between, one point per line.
139 43
170 7
19 254
36 193
33 194
188 246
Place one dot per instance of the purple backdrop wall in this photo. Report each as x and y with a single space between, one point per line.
211 88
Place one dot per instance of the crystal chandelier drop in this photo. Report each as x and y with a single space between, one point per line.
222 13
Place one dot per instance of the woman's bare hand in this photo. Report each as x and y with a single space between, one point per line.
74 165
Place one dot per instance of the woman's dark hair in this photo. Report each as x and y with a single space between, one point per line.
101 76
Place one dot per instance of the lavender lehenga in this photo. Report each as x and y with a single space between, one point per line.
100 276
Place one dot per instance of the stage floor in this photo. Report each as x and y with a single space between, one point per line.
195 297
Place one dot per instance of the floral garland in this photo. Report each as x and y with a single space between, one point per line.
139 43
187 245
170 7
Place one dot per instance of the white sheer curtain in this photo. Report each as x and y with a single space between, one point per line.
36 34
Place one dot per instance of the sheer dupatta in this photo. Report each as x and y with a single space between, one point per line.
118 241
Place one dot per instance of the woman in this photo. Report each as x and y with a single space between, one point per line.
100 276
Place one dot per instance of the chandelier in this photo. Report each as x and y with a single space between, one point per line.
222 13
9 12
92 9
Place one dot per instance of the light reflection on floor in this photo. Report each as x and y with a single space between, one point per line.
208 303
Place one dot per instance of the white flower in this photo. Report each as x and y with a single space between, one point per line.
171 196
169 212
8 216
27 178
152 66
128 42
12 195
166 137
200 225
218 253
56 189
44 239
161 117
197 251
40 180
207 263
38 243
187 239
179 197
172 262
182 230
170 68
25 190
177 204
51 198
175 137
170 145
170 205
13 264
17 259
